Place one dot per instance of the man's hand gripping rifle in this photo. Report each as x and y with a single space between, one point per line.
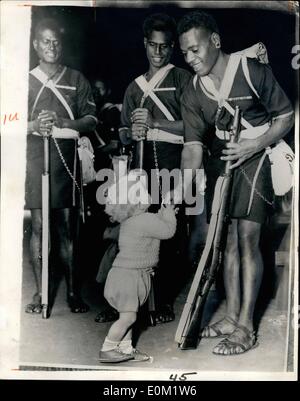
187 334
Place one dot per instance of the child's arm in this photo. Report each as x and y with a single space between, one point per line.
112 233
161 225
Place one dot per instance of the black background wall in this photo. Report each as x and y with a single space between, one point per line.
109 40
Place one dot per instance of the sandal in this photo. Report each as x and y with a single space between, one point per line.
239 342
165 315
77 305
214 331
107 315
35 306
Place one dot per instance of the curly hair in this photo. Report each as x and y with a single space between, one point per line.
48 23
161 23
125 198
197 19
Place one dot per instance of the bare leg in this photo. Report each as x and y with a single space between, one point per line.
252 269
243 338
66 226
231 276
36 260
121 329
120 334
232 272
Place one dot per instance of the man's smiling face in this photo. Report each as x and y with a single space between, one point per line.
199 50
159 49
48 46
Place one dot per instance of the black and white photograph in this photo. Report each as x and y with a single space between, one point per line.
149 154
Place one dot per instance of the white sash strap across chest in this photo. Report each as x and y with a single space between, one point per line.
222 96
48 83
150 87
64 133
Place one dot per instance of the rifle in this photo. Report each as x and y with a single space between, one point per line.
187 334
45 231
139 163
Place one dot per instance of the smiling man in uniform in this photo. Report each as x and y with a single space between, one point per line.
151 110
60 104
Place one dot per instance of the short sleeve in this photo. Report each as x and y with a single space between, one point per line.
272 96
195 126
85 101
183 79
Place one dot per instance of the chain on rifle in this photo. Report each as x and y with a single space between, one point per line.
156 167
255 190
65 164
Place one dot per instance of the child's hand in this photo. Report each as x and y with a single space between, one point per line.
167 208
150 270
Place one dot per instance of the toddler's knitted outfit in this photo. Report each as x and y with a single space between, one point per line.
128 284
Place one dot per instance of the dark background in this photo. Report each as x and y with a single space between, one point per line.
108 41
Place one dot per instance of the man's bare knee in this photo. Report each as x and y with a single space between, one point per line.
249 236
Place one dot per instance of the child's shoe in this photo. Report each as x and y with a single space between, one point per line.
139 356
114 356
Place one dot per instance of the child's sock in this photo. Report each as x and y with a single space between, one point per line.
108 345
126 346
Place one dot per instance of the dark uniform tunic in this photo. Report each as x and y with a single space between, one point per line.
199 111
168 154
76 92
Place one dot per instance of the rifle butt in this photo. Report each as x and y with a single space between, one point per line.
191 337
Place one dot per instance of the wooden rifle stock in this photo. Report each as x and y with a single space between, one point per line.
187 334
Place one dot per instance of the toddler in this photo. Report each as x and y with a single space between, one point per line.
129 281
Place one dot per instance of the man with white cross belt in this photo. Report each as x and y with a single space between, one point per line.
223 81
60 104
159 121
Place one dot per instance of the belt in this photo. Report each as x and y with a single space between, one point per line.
249 133
155 134
62 133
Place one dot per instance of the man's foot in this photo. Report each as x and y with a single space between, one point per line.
139 356
221 328
239 342
165 314
107 315
77 305
35 306
114 356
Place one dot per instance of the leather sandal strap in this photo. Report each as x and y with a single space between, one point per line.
234 344
247 332
231 320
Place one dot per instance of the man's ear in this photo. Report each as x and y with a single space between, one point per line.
145 42
35 44
215 38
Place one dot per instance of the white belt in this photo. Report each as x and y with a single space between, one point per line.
249 133
155 134
62 133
